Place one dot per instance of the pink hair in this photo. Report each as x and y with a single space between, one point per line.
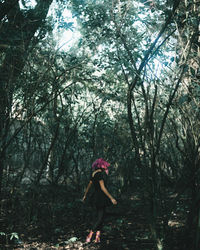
100 163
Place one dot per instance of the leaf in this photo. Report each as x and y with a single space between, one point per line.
193 72
2 233
183 99
14 235
119 221
73 239
107 228
172 59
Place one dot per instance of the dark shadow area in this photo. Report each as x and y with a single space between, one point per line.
54 217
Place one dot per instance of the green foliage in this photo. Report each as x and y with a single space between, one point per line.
14 235
10 237
107 228
73 239
63 109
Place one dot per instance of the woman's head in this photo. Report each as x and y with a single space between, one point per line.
100 164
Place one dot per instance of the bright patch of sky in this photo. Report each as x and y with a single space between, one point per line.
28 4
66 35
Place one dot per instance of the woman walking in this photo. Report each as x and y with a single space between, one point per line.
101 198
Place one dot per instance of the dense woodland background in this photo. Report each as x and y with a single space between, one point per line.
126 90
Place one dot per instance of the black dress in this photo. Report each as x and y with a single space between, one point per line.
99 198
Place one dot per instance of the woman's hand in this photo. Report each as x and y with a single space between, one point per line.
114 202
84 197
103 188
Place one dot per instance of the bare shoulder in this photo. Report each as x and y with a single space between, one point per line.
95 172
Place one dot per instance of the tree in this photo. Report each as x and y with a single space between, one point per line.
18 28
188 141
111 32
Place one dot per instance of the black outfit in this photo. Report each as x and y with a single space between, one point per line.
100 200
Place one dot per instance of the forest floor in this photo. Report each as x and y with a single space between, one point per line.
125 227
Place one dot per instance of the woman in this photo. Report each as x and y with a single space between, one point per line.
101 198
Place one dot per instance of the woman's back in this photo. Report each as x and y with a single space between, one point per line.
95 178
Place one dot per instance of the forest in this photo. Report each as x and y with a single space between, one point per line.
88 79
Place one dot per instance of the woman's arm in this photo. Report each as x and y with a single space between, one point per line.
87 189
104 189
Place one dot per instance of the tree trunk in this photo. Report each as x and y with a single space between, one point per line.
16 34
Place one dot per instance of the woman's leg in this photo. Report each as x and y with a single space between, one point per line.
97 226
99 223
99 220
89 237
